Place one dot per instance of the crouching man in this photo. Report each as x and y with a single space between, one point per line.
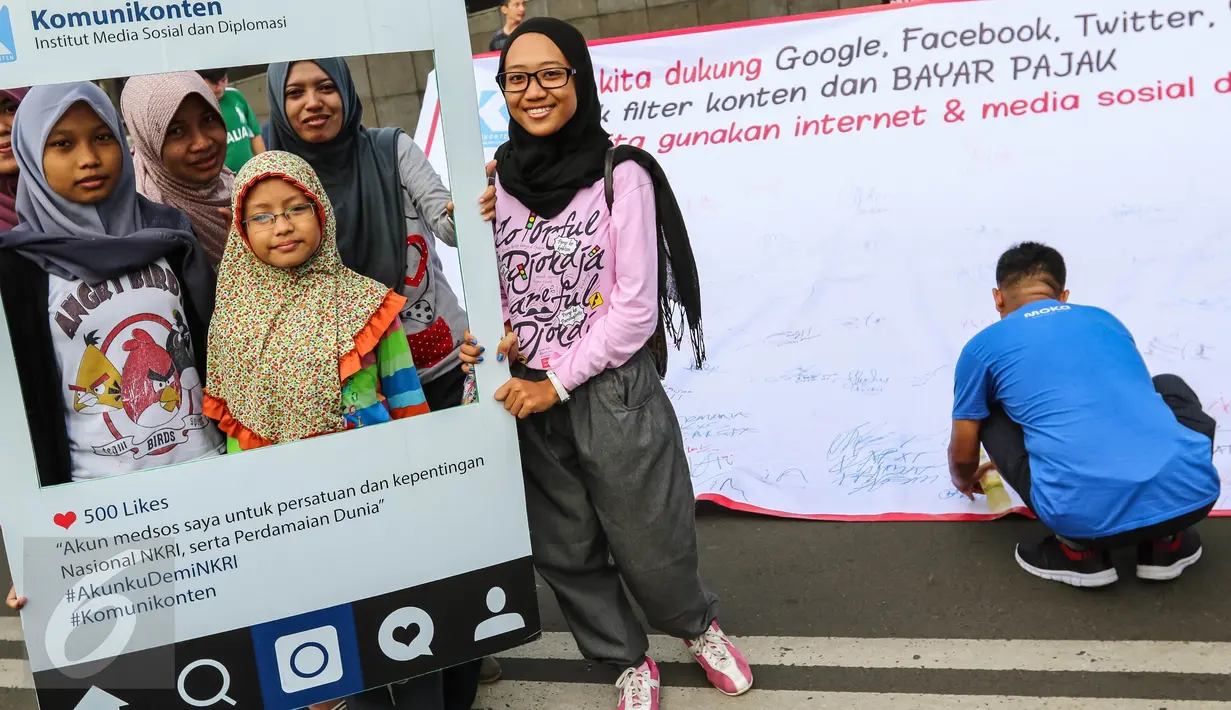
1063 404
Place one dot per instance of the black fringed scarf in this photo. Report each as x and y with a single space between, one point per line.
679 286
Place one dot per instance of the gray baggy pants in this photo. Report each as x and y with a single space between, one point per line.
606 474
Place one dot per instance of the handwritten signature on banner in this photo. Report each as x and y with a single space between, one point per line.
860 322
865 382
864 460
801 375
859 381
707 460
1177 348
928 377
1218 406
675 394
721 425
790 337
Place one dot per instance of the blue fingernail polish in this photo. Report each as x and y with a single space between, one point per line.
499 357
482 350
480 358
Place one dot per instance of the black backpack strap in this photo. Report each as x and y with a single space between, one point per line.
608 177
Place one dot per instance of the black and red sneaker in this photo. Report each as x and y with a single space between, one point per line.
1163 560
1053 560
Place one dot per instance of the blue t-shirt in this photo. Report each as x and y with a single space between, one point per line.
1107 455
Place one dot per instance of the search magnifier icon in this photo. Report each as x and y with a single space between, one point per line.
220 696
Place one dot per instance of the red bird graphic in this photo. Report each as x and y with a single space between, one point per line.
151 386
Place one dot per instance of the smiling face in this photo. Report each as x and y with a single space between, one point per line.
82 158
195 146
287 241
540 111
8 161
313 103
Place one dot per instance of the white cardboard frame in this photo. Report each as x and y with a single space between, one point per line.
443 528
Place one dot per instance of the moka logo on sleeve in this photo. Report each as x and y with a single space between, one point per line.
8 47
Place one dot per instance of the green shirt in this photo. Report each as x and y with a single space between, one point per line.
242 127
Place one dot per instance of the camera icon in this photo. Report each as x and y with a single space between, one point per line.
308 659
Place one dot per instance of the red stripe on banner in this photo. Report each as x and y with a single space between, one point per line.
764 21
431 134
752 23
886 517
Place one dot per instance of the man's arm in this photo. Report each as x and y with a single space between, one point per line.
964 455
258 145
972 389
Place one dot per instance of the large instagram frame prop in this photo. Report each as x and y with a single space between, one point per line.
436 540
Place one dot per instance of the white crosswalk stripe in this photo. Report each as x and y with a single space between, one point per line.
506 695
10 628
962 654
15 673
980 655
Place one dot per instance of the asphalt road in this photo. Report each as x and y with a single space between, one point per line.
881 583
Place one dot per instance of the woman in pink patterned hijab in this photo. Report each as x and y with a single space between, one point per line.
180 147
9 99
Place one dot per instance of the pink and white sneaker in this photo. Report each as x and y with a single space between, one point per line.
639 687
724 665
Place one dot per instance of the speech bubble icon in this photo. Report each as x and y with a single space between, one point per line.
404 618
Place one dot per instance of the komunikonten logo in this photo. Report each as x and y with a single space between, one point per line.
131 12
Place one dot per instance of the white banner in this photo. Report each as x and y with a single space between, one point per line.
288 575
849 181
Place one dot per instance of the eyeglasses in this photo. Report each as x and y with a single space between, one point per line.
265 222
515 82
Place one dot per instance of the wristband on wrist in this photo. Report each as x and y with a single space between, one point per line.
555 382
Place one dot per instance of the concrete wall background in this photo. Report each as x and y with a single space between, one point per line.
392 85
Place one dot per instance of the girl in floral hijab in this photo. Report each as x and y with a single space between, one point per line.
299 345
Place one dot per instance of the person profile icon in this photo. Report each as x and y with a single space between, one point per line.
502 624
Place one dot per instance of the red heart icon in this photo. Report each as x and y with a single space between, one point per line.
65 520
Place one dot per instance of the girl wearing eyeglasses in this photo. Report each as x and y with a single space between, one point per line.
593 281
333 355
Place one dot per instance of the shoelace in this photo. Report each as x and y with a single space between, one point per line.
712 646
637 688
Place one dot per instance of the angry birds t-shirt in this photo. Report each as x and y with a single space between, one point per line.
132 392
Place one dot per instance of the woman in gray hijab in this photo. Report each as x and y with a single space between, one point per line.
111 370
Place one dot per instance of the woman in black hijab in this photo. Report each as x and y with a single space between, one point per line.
597 271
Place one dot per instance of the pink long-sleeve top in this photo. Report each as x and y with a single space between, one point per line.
581 289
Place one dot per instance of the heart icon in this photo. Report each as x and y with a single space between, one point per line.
65 520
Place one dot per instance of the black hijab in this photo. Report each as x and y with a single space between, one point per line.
359 170
544 174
